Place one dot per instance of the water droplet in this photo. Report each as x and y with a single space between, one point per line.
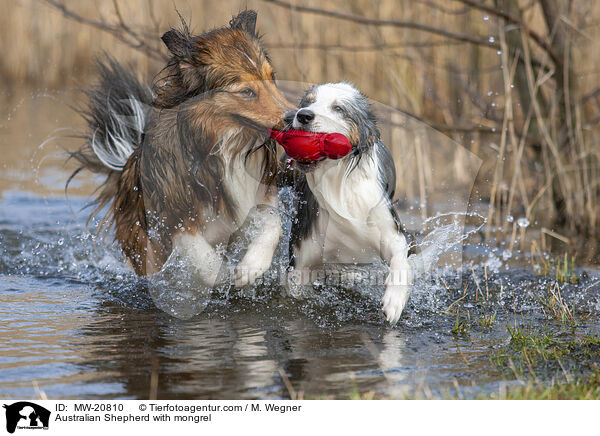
486 18
490 93
510 218
499 52
492 39
506 254
523 222
61 241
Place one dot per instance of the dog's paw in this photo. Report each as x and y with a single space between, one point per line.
249 269
394 300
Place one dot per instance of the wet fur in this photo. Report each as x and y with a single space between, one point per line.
203 138
344 207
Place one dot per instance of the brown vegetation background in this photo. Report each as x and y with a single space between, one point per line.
514 81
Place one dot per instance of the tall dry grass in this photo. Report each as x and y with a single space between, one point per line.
532 119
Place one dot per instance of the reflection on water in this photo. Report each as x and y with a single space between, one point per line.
74 344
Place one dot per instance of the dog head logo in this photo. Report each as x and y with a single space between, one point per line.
26 415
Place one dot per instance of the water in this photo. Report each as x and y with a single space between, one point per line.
75 322
79 324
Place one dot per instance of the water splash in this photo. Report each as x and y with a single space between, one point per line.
523 222
31 229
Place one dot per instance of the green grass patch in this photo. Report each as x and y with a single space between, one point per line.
530 353
462 326
562 268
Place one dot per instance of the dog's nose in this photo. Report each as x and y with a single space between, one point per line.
305 116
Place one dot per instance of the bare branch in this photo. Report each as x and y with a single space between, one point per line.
391 23
517 21
434 5
465 128
358 48
595 93
121 31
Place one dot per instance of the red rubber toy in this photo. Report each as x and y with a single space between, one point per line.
311 146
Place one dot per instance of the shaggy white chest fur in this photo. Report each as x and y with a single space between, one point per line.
347 203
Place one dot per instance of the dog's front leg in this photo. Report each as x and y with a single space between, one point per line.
399 280
258 257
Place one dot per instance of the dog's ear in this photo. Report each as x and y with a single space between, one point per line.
177 42
246 21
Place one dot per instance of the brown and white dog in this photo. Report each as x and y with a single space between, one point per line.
188 161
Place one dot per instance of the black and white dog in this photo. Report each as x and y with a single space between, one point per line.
344 207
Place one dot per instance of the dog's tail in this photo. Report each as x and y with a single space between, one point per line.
117 113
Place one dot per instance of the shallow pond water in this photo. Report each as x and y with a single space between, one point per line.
76 323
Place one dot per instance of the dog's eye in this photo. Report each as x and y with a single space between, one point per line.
338 108
248 93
